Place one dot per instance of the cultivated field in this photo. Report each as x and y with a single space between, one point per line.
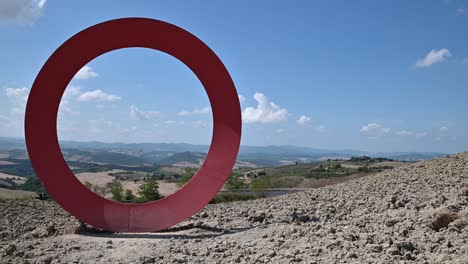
16 179
102 178
16 194
5 162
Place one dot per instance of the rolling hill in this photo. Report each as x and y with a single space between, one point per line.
184 158
14 158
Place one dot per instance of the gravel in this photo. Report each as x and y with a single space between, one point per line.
413 214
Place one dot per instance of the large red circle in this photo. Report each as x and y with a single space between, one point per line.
41 120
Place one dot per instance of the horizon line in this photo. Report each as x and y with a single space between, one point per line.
208 145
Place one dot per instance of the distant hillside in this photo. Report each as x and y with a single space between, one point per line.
144 147
7 143
105 157
275 159
18 167
137 154
184 157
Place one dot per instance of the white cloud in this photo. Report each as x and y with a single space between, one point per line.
196 111
24 12
405 133
98 96
71 91
18 97
199 124
172 122
241 98
321 129
411 133
460 11
444 129
142 115
304 120
374 130
4 119
433 57
65 108
65 105
421 134
265 112
280 130
18 110
95 127
17 93
85 73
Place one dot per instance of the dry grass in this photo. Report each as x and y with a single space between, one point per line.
79 158
102 178
167 188
4 162
394 164
244 164
350 166
16 194
97 178
172 170
186 164
16 179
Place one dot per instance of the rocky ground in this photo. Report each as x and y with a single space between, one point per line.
417 213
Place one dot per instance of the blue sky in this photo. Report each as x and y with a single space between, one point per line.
368 75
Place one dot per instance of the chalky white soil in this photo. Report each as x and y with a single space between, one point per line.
413 214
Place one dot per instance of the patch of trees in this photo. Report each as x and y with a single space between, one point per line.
368 169
32 184
147 192
232 197
326 174
186 176
94 167
330 169
369 159
116 158
259 184
236 182
131 176
21 167
8 183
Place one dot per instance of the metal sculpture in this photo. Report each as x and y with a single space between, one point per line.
41 121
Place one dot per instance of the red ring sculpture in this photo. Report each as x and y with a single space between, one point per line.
41 125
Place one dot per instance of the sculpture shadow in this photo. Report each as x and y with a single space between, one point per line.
170 233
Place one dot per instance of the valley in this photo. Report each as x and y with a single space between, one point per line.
112 170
